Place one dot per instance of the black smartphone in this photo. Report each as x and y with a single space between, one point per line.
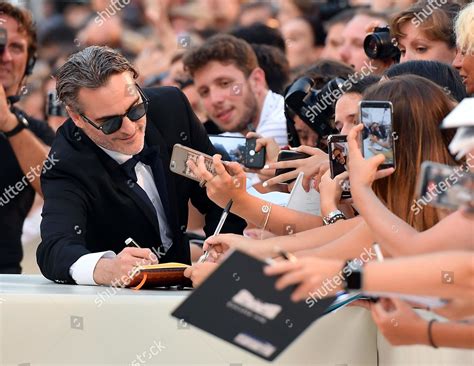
338 152
285 155
444 186
231 148
377 135
254 159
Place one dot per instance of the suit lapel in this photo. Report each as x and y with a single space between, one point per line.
163 177
122 183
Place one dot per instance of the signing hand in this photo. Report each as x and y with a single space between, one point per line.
118 269
219 244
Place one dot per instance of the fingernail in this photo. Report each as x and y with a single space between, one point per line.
266 166
265 184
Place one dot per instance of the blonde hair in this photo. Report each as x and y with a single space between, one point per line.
464 28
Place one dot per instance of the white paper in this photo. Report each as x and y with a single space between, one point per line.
300 200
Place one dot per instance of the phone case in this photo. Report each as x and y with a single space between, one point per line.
253 159
181 154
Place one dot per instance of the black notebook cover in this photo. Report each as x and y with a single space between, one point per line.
239 304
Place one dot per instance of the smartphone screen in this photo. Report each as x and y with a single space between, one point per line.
231 148
377 133
338 154
445 186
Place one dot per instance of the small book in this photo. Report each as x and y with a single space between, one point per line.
239 304
159 275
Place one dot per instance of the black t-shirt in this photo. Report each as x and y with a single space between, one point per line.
16 197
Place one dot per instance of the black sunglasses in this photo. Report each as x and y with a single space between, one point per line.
114 123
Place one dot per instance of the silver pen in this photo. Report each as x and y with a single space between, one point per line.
224 215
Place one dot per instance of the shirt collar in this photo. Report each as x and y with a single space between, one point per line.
119 157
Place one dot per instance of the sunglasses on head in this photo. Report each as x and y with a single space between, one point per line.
113 124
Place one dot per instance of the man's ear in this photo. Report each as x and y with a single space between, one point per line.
257 81
76 118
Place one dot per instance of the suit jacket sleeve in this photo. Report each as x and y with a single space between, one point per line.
63 235
200 141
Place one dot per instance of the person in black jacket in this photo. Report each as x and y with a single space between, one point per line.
112 180
23 140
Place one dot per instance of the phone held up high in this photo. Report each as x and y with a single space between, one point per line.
181 154
445 186
377 135
338 152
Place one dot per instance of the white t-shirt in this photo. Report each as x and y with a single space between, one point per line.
272 121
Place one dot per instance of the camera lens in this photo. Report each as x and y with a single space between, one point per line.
379 46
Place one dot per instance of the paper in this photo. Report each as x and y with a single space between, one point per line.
300 200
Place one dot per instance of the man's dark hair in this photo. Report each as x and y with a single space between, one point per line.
440 73
90 68
259 33
25 24
324 70
362 83
275 65
319 33
343 17
223 48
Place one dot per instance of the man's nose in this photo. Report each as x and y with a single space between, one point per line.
217 95
344 53
128 127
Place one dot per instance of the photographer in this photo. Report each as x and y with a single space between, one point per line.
23 142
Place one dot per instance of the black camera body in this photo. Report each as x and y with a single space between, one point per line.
54 107
379 45
314 107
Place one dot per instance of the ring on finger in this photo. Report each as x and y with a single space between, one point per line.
202 183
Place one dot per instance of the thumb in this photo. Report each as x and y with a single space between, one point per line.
384 173
376 160
352 140
307 150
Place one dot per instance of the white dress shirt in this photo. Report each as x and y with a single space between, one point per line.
82 271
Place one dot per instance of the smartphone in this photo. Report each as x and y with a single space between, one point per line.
181 154
377 135
254 159
445 186
231 148
338 152
285 155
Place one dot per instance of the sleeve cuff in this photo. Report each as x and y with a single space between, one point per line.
82 270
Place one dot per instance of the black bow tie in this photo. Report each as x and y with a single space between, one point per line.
146 156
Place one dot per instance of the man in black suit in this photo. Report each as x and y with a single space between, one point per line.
112 180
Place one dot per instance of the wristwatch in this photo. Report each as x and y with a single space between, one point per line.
22 124
333 216
352 275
